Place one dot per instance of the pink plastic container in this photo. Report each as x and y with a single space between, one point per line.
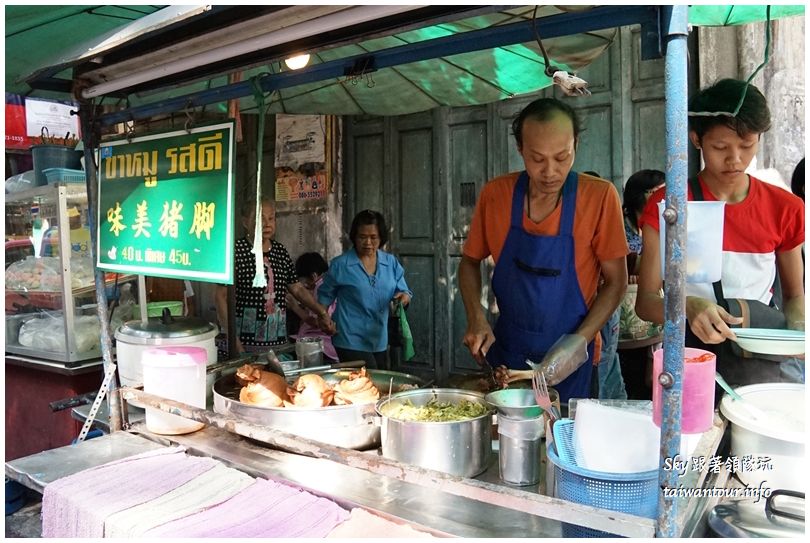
698 390
176 373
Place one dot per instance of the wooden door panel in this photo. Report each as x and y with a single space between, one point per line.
460 356
595 150
369 173
468 173
416 189
598 74
649 136
421 278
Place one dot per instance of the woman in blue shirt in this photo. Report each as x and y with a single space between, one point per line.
364 280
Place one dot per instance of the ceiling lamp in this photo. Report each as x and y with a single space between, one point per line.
297 62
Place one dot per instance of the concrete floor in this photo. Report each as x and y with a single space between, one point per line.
27 522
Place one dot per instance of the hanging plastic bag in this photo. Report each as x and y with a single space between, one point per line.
20 182
399 331
407 339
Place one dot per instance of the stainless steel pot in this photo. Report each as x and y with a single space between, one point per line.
461 448
349 426
779 439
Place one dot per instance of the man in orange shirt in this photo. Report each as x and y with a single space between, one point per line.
551 232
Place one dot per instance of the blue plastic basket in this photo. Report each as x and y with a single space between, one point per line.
633 493
65 175
563 431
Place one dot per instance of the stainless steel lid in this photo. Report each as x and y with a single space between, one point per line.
162 328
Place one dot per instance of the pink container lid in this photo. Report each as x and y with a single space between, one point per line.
174 356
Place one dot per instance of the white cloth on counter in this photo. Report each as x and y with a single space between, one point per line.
209 489
77 505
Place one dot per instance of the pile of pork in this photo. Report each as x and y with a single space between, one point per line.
267 389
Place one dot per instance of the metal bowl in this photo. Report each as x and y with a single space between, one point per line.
515 403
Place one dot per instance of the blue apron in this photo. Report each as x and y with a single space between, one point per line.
538 293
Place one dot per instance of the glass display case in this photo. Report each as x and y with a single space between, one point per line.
49 278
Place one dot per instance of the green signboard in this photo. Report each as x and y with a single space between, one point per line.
166 204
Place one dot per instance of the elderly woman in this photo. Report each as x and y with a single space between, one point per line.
364 280
261 312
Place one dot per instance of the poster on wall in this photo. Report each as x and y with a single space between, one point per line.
300 160
50 118
166 204
36 121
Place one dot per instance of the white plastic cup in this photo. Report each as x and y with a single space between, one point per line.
704 240
519 450
175 373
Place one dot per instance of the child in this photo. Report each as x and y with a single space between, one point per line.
310 268
763 232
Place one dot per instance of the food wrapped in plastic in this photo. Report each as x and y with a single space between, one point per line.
34 274
47 332
81 271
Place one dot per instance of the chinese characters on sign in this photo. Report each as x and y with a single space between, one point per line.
301 159
166 204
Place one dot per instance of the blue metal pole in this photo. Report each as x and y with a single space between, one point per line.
674 28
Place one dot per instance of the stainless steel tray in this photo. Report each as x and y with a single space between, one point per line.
349 426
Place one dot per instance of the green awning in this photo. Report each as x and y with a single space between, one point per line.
739 14
464 79
42 34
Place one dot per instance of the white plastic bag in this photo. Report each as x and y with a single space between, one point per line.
20 182
47 332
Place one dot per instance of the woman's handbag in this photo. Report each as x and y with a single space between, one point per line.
754 313
631 326
395 338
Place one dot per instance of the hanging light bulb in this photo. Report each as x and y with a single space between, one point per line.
297 62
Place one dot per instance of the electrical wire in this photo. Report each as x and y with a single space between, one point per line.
750 78
549 70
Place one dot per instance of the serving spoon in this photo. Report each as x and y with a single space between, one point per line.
753 411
